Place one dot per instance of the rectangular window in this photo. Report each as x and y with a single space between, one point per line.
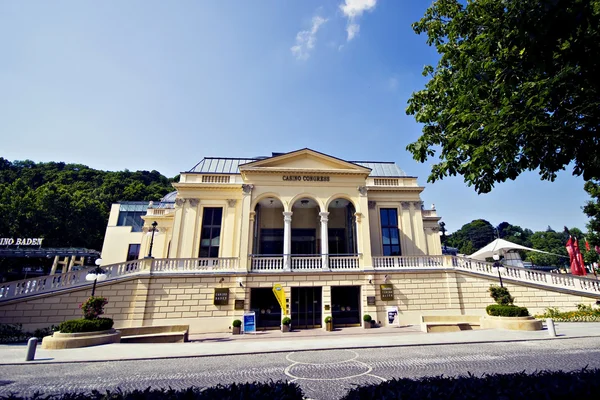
210 237
134 252
390 234
131 213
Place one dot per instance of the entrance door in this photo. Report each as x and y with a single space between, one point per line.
345 305
266 308
306 307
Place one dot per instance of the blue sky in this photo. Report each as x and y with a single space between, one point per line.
144 85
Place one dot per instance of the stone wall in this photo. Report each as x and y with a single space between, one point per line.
161 300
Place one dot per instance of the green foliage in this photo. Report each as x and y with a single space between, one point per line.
552 242
328 319
286 321
236 323
235 391
367 318
67 204
13 333
515 89
472 236
497 310
93 307
547 385
501 295
85 325
584 313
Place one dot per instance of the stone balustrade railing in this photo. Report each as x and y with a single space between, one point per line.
275 264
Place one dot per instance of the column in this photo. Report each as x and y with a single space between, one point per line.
324 240
246 228
287 240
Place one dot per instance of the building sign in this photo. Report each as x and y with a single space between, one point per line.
21 241
392 313
279 295
305 178
249 322
370 300
387 292
221 297
239 305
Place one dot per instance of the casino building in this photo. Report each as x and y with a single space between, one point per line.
338 238
312 222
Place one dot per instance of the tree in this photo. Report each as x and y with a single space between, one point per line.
515 89
472 236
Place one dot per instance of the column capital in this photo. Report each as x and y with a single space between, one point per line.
324 216
287 216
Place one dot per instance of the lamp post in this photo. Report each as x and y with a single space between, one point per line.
154 225
498 267
97 274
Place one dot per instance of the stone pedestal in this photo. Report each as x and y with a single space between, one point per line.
84 339
512 323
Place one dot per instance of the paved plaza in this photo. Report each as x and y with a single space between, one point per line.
353 359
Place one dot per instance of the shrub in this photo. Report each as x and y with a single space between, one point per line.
367 318
327 320
501 295
246 391
583 314
13 333
85 325
286 321
497 310
236 323
548 385
93 307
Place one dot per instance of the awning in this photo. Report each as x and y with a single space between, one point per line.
500 246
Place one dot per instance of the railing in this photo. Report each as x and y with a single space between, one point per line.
525 275
306 263
169 265
266 264
395 262
67 280
340 263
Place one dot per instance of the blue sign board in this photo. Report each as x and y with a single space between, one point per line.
249 323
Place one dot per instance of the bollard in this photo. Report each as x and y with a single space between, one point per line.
550 326
31 346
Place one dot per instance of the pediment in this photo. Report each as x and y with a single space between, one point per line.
304 160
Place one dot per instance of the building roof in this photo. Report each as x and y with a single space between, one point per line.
216 165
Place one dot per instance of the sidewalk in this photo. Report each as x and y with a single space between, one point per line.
220 344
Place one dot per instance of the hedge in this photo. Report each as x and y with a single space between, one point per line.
496 310
547 385
13 333
583 314
245 391
85 325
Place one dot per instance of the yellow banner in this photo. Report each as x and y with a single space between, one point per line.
280 295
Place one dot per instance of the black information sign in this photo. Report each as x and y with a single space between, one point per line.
387 292
239 304
370 300
221 297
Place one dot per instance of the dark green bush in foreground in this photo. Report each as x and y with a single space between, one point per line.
245 391
545 385
13 333
497 310
85 325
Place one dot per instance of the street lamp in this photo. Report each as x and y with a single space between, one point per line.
97 274
499 267
154 225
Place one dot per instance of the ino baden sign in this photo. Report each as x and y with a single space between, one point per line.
21 241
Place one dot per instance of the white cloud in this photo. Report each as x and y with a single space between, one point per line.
353 9
305 40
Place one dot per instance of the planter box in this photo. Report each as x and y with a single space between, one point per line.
73 340
512 323
236 330
329 326
367 325
286 328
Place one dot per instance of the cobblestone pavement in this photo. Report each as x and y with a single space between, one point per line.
324 375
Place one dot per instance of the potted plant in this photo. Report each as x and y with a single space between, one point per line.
286 324
237 326
328 324
368 321
505 315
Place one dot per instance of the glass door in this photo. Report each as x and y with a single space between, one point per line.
306 308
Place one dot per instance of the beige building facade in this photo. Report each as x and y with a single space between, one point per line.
292 218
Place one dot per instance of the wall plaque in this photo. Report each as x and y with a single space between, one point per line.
326 307
221 297
370 300
239 304
387 292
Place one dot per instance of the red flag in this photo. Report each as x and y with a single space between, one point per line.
579 260
571 251
587 245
